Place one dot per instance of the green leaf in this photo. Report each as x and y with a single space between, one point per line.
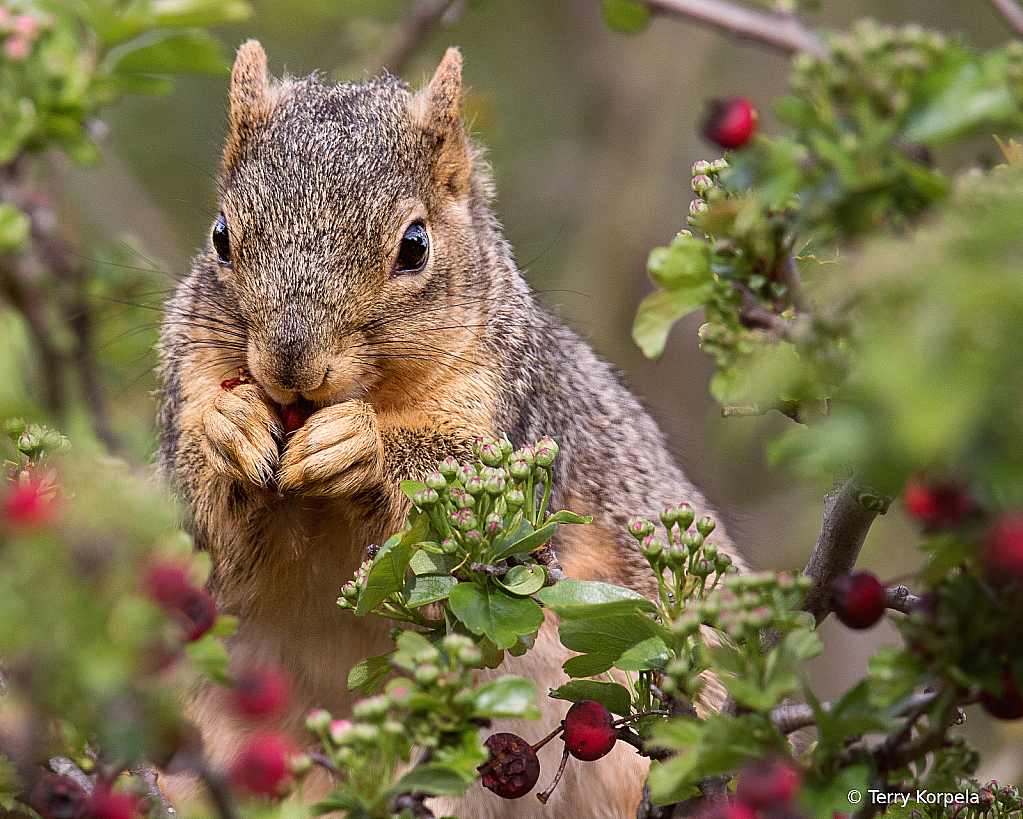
367 674
523 581
410 488
614 697
583 598
659 311
532 540
685 263
609 636
196 52
387 574
625 16
197 13
428 588
424 562
14 227
505 697
588 665
433 778
210 658
564 516
491 611
648 654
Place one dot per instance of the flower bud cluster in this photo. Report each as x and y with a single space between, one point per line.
707 188
34 442
19 32
433 699
351 590
685 563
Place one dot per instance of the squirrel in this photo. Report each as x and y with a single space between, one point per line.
357 277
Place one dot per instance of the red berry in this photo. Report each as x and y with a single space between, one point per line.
766 784
729 123
293 416
264 767
589 730
59 797
513 767
1003 548
1007 703
167 584
262 691
858 600
28 504
109 805
728 810
197 613
939 505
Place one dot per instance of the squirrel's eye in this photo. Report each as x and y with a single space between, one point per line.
221 241
413 250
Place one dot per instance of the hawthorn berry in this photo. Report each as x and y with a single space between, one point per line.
939 506
264 766
168 584
1008 702
1003 548
197 613
766 784
729 123
858 599
589 730
106 804
513 767
261 691
293 416
59 797
728 810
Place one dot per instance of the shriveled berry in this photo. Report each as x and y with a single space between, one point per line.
264 766
261 691
589 730
766 784
1003 548
1006 703
59 797
858 599
729 123
513 767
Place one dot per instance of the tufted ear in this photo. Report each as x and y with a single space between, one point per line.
250 100
435 112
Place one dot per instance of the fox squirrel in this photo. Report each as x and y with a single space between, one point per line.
358 278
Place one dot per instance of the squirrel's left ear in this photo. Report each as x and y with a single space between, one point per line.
435 112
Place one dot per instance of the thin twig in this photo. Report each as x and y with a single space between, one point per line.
1011 11
780 31
848 513
416 27
149 778
900 599
789 718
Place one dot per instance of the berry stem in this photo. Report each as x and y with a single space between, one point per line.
548 738
545 795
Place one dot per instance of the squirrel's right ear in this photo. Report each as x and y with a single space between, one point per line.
435 112
250 100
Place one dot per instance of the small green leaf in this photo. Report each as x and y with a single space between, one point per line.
588 665
564 516
505 697
424 562
625 16
387 574
367 674
582 598
491 611
196 52
658 313
651 653
614 697
434 779
428 588
14 227
531 541
523 581
685 263
197 13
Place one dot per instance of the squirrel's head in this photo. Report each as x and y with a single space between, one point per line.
348 232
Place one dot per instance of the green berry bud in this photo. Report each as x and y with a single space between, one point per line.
448 546
710 551
398 694
676 557
697 208
640 527
515 500
546 452
527 454
705 525
371 709
427 654
494 484
473 538
722 562
449 468
436 481
317 720
470 656
667 516
339 730
474 486
367 734
490 452
701 166
426 674
701 184
425 499
684 516
493 524
51 441
652 546
465 520
692 541
519 469
703 567
718 165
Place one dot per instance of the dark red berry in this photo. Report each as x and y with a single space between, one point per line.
589 730
109 805
262 691
1003 548
293 416
729 123
728 810
197 613
767 784
858 600
513 767
167 583
264 767
940 506
59 797
1008 702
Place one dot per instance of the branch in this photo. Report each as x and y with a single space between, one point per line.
848 514
415 27
780 31
1013 14
900 599
789 718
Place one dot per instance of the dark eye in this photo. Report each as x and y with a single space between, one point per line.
413 250
221 241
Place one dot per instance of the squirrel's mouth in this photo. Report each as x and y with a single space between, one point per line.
292 407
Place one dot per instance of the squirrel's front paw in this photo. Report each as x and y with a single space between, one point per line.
336 453
243 436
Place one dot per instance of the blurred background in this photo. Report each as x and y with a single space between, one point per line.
591 135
